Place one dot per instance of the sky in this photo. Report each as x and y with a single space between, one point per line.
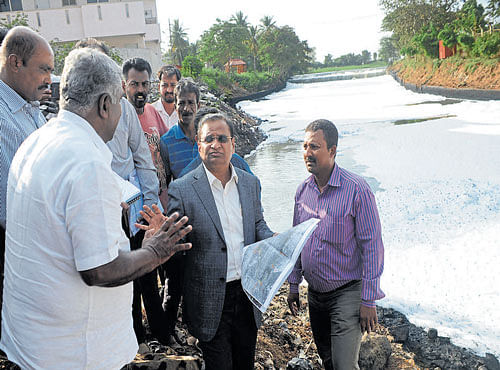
331 27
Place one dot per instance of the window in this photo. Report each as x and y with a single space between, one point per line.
126 11
96 1
42 4
10 5
38 19
67 16
68 2
99 13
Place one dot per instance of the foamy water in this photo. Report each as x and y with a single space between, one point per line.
437 185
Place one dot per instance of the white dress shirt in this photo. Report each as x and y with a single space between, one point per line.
227 200
64 216
170 120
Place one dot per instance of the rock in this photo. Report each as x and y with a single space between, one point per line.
166 363
269 364
191 341
374 352
143 349
432 334
491 362
400 333
299 364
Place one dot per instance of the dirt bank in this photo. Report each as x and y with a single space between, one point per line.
455 72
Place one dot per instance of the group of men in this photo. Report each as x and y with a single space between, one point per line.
73 247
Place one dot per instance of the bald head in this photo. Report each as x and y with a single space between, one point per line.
26 61
21 41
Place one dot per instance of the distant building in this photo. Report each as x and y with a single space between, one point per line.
131 26
235 65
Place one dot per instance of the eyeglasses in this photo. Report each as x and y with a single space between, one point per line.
135 84
220 138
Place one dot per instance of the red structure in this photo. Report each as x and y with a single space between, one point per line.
237 65
445 52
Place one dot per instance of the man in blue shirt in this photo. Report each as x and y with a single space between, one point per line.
177 149
26 61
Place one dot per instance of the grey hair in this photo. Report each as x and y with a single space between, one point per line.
88 74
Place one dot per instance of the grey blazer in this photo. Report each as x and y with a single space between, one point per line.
206 262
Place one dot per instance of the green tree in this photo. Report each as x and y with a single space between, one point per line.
267 22
192 66
405 18
239 19
328 61
282 52
448 35
427 41
493 10
179 44
224 40
470 17
388 49
20 19
253 44
62 49
365 57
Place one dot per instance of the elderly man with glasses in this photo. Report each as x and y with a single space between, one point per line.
223 204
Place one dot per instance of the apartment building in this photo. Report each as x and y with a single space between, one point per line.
131 26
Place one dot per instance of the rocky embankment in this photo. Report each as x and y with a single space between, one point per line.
285 342
247 132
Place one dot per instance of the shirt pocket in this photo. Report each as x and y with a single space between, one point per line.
336 230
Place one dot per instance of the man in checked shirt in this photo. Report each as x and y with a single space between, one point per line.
344 258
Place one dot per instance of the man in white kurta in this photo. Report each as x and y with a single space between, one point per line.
67 290
72 195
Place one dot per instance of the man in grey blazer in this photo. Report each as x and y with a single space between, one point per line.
224 208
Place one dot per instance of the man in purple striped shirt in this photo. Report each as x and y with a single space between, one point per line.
344 257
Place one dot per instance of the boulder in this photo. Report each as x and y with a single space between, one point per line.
374 352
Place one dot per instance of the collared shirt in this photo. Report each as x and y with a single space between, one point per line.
154 128
347 244
227 200
131 152
64 217
170 120
177 151
18 119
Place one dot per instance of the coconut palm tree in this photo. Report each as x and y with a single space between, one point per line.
267 21
179 44
239 19
253 44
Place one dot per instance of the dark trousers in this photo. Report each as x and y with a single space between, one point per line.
2 261
233 346
147 287
335 325
173 270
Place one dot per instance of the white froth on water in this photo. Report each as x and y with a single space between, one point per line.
437 184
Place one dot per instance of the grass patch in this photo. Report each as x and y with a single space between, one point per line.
347 68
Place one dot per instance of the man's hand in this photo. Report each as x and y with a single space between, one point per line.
367 318
154 218
293 303
163 241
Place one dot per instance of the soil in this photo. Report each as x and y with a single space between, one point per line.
452 73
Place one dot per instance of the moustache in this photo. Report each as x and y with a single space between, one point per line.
311 159
44 87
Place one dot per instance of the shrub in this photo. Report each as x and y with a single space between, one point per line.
192 66
448 36
487 45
